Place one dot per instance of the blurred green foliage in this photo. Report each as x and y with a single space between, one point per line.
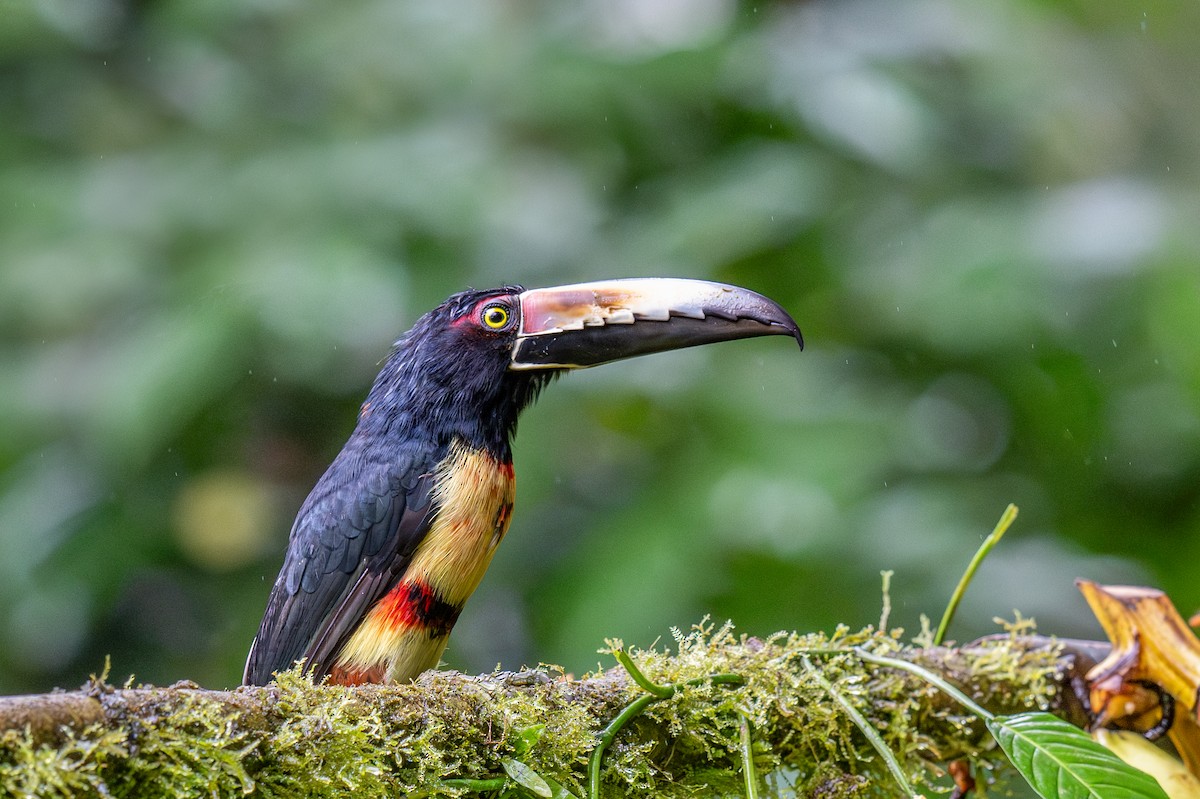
217 216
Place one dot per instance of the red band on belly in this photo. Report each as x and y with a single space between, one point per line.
413 603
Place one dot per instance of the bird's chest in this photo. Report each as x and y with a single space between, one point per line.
474 496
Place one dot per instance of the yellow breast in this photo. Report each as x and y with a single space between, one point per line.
473 493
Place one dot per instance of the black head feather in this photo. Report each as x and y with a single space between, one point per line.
448 377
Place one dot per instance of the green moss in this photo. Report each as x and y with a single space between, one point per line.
74 768
452 735
195 745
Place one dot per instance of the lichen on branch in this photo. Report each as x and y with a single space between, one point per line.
449 734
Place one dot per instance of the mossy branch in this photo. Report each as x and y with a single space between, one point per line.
532 733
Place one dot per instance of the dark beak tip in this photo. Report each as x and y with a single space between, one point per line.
787 326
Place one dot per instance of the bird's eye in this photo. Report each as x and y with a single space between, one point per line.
495 316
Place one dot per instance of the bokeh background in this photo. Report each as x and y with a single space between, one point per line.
215 217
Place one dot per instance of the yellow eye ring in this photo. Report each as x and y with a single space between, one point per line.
495 316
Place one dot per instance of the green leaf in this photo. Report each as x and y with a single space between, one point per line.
1061 761
527 738
526 777
560 791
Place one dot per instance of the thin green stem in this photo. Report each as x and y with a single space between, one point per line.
606 738
732 680
872 735
661 691
1006 520
929 677
746 746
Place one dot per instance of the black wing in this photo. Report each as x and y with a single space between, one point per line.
351 541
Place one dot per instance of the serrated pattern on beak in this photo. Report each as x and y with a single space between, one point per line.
561 327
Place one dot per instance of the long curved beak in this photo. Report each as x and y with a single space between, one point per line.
586 324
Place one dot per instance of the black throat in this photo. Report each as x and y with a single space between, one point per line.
438 388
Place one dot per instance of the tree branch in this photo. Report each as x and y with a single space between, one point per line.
450 734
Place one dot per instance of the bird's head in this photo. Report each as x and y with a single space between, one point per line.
469 366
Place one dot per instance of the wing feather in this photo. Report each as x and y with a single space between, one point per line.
350 543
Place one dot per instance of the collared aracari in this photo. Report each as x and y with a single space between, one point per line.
398 532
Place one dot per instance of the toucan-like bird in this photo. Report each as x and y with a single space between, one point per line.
398 532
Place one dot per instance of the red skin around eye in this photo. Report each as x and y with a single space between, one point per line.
474 319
